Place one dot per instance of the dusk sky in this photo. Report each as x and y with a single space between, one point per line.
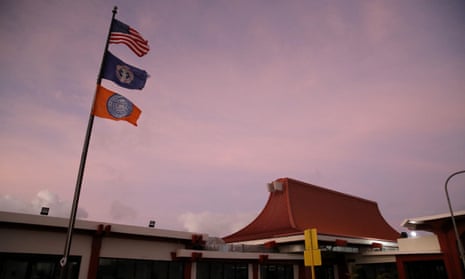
361 97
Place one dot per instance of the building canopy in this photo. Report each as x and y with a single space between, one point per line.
294 206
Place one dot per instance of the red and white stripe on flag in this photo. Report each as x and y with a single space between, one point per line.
133 40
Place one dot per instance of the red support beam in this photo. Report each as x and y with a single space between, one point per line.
95 250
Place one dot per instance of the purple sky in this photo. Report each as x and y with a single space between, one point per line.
362 97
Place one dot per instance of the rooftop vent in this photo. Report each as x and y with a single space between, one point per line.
44 211
275 186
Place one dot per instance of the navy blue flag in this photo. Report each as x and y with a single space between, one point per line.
123 74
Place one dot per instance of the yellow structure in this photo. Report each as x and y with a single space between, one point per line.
312 253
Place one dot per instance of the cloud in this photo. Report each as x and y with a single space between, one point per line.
44 198
215 224
122 212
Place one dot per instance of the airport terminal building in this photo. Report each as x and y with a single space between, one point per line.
354 240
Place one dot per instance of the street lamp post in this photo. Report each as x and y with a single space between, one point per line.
459 242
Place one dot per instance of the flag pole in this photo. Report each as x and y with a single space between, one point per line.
77 191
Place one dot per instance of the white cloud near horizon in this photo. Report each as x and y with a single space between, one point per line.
44 198
212 223
215 224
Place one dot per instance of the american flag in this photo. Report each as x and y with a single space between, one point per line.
122 33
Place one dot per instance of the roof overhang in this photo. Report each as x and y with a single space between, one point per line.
321 237
418 223
206 254
40 221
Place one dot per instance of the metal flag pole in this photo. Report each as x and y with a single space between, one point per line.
457 235
77 191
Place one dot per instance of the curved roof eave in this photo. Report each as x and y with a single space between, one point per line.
298 206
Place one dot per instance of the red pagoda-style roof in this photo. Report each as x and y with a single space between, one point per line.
294 206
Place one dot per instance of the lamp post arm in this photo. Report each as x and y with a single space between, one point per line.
459 242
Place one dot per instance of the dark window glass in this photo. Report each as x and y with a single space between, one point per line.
241 271
42 270
125 269
276 271
216 270
138 269
36 266
143 270
229 271
13 269
176 270
379 270
324 272
426 270
203 270
221 270
160 270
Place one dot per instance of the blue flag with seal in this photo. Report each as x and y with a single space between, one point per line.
123 74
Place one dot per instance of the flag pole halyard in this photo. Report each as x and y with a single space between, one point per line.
77 191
